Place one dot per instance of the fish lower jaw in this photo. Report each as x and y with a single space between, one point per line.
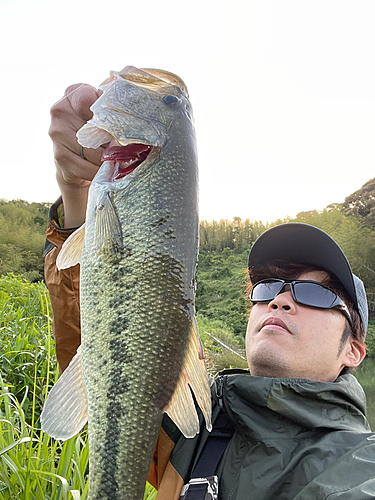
126 158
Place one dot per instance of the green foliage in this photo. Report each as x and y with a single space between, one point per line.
22 236
222 274
370 339
221 287
365 376
356 241
25 338
224 249
236 234
362 204
217 356
32 465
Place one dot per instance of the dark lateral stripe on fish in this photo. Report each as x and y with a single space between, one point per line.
119 385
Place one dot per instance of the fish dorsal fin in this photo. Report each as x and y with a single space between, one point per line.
108 233
71 251
65 410
181 407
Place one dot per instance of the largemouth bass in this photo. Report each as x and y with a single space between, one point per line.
138 248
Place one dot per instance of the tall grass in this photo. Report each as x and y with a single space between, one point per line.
32 465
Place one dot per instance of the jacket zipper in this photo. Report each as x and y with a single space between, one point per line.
223 404
219 392
221 397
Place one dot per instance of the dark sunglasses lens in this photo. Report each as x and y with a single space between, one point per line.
312 294
263 292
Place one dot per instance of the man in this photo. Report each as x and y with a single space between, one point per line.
293 429
333 337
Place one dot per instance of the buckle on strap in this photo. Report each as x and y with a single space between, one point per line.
201 488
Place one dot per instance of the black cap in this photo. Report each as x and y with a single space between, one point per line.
305 244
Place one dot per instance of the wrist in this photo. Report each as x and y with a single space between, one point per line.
75 202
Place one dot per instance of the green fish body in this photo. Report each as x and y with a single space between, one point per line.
140 348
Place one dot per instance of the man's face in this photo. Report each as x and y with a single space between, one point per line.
286 339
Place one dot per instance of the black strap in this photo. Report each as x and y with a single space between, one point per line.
210 457
196 492
214 447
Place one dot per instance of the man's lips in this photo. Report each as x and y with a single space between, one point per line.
274 324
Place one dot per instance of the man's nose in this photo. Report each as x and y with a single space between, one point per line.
284 300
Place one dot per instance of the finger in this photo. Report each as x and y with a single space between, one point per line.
92 155
67 117
71 166
70 113
81 97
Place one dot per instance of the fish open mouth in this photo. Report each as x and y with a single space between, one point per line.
126 158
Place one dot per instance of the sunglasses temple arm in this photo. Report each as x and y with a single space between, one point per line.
345 310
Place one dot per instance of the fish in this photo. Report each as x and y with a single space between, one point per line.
140 354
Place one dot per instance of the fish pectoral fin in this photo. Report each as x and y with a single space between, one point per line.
108 233
65 410
181 407
71 251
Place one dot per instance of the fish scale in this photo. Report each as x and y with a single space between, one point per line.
157 291
137 286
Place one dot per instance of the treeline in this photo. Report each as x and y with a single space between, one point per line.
355 237
224 246
222 274
236 234
22 236
361 204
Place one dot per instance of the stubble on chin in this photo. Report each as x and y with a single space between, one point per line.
265 357
267 363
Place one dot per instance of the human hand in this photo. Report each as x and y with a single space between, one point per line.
67 116
73 172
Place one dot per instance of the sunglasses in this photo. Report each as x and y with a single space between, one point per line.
307 293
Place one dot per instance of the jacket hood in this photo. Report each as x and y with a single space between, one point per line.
287 407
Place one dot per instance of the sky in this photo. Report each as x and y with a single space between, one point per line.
282 91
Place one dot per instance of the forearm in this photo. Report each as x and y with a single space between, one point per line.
75 201
64 290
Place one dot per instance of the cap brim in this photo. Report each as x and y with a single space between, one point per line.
305 244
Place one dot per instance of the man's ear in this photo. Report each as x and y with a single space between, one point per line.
356 351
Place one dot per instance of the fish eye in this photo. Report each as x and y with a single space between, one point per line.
171 99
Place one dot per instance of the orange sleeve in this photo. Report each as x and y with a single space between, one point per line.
63 288
162 475
162 453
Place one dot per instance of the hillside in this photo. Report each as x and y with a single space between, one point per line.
224 247
22 235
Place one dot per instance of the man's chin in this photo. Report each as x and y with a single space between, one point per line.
268 362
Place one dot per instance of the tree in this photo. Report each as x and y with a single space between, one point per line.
362 204
22 235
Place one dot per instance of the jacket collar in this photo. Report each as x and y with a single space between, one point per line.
286 407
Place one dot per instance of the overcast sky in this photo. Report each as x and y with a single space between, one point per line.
282 91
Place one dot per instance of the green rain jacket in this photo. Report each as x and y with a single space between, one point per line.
295 439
